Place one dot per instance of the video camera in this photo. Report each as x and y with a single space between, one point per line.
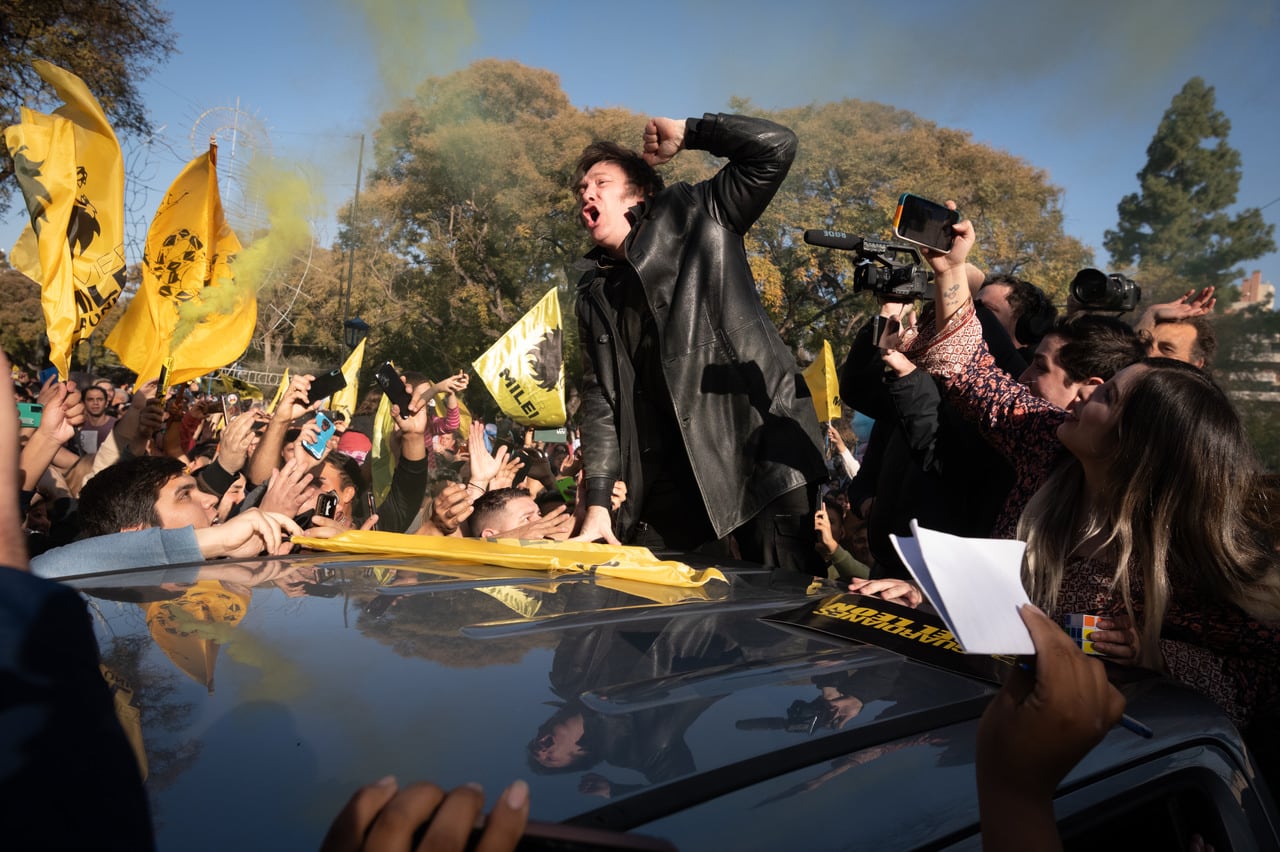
1097 291
892 271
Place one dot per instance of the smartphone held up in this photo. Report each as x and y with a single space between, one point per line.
926 223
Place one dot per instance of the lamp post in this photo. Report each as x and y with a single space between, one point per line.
353 331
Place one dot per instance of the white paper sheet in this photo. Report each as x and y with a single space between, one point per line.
975 584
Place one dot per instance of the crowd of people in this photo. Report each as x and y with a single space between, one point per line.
1107 447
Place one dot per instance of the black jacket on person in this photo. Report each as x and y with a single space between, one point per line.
924 461
740 402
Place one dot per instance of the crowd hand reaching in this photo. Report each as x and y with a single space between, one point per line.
507 469
1190 304
237 437
1034 731
322 527
150 422
63 410
556 524
619 495
249 533
484 465
826 544
293 403
307 435
894 591
381 817
414 421
127 427
1117 639
450 508
663 139
596 525
454 384
290 491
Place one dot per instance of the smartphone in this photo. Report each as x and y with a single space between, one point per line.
889 333
392 385
326 384
924 223
327 431
327 504
552 436
29 413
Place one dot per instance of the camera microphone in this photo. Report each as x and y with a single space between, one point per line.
832 239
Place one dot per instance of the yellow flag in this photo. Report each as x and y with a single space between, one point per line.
189 306
824 384
71 172
383 466
524 369
623 562
283 386
348 398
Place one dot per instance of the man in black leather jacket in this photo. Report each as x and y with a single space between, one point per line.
690 395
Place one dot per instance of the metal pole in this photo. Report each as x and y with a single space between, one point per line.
351 249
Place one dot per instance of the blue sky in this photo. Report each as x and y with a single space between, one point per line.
1076 89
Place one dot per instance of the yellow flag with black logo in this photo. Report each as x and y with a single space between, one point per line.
824 384
346 400
69 167
524 369
189 306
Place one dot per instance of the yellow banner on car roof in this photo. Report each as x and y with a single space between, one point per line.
619 561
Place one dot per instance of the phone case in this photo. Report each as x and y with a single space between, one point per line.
928 225
389 380
327 431
326 385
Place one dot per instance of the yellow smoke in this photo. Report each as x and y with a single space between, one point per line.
416 39
291 200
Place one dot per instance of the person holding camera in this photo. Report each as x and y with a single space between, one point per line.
689 394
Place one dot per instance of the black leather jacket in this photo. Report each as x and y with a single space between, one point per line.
742 407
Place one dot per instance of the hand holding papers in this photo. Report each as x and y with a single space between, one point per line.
975 584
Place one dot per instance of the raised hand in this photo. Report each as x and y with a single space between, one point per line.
663 139
237 437
248 534
556 524
290 489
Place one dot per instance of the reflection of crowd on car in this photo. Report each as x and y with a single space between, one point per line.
1109 449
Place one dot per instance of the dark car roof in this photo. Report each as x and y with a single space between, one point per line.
264 706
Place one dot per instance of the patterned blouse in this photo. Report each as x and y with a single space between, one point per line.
1214 647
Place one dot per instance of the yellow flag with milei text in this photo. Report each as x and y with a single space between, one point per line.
524 369
69 167
189 306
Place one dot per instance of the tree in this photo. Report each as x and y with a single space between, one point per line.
468 218
855 159
1178 220
22 321
110 44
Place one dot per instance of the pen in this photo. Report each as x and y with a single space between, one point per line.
1126 721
